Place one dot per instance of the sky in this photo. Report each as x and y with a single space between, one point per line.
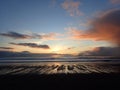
60 26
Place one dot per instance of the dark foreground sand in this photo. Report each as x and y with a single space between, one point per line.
60 76
60 82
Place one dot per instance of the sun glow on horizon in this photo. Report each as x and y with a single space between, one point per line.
56 50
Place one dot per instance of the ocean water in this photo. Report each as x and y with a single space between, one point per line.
61 65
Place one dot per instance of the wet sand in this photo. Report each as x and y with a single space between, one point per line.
59 68
60 76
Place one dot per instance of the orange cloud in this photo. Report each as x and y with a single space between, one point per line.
72 7
105 27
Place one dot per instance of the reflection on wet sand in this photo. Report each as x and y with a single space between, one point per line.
59 68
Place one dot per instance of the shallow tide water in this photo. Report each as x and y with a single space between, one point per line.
58 66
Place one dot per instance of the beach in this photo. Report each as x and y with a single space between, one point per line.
60 76
60 82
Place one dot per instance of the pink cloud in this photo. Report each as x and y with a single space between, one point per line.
115 1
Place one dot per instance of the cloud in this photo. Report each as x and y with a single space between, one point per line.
6 48
72 7
74 32
70 48
24 54
115 1
32 45
102 51
105 27
16 35
49 36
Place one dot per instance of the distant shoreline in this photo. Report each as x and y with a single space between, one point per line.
29 60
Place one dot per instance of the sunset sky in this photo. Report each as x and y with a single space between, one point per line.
59 26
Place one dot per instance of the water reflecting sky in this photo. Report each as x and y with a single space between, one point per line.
59 67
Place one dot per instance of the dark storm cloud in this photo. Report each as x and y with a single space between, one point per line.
16 35
102 51
32 45
6 48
